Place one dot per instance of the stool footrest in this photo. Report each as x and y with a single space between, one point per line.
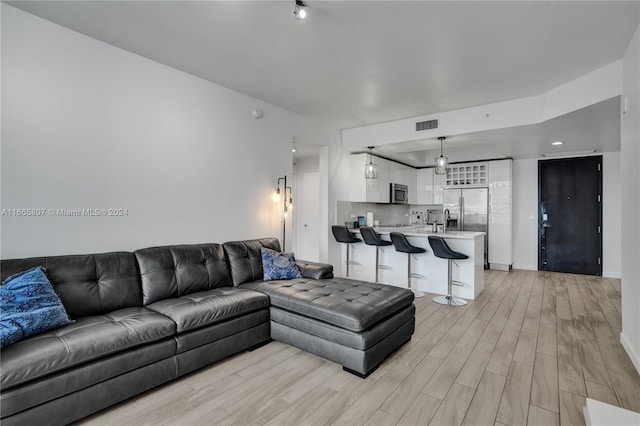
418 293
449 300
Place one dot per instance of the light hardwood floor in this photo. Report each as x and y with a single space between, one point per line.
526 352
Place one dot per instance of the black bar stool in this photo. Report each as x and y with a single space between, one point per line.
443 251
372 239
342 235
402 245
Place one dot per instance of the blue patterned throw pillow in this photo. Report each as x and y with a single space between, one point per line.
29 306
279 266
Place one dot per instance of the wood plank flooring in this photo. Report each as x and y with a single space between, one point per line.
526 352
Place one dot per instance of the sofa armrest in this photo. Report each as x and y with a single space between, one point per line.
315 270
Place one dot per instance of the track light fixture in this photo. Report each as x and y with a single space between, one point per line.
299 11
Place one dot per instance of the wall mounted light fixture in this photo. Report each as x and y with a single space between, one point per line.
442 163
299 11
287 204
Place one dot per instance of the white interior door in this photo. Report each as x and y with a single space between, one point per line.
308 220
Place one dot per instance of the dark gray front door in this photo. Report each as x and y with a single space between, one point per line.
570 215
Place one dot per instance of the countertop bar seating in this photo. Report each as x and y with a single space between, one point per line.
443 251
342 235
372 239
428 272
402 245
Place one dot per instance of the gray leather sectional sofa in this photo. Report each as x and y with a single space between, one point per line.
142 319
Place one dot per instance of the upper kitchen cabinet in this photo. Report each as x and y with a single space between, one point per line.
425 186
369 190
438 187
377 190
500 214
405 175
430 187
467 175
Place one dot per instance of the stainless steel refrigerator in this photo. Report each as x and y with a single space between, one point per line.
469 211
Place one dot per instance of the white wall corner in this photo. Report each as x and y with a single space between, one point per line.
633 355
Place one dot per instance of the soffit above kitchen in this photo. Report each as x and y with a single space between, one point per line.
356 63
592 129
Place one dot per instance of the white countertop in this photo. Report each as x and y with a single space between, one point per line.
424 231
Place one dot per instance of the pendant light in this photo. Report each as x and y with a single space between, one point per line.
299 11
442 163
371 169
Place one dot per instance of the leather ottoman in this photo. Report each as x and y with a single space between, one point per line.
354 323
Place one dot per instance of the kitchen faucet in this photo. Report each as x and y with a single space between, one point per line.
445 220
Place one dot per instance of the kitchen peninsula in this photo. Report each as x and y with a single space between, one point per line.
429 273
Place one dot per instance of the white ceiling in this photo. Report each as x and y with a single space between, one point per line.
595 128
353 63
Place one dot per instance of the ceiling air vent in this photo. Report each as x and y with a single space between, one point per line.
426 125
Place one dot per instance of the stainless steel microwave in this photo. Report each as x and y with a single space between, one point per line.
399 194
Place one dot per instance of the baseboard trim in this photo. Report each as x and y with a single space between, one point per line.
525 267
633 355
609 274
500 267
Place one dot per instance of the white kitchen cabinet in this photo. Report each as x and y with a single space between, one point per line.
425 186
500 214
438 188
377 190
369 190
408 176
467 175
430 187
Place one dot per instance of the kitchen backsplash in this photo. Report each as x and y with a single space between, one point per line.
386 214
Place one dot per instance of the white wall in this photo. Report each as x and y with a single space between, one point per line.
525 214
339 190
611 215
88 125
301 166
630 154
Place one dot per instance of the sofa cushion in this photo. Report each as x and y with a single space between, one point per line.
350 304
89 284
278 265
173 271
87 339
205 308
245 258
80 377
29 306
314 270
